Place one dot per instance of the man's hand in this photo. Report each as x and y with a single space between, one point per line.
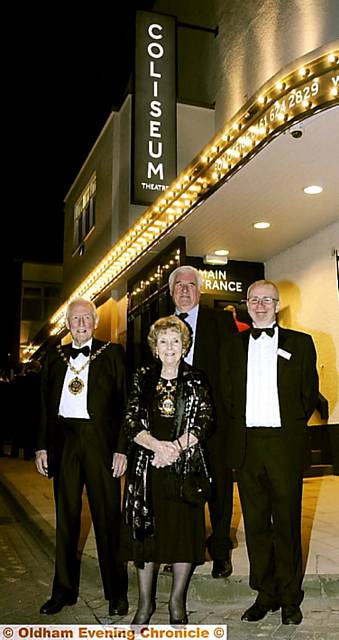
41 462
119 465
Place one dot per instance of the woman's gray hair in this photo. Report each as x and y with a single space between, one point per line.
169 322
185 268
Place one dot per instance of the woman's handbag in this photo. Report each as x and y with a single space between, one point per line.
196 484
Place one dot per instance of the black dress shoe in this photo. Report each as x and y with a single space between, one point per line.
221 568
55 605
258 612
291 614
118 606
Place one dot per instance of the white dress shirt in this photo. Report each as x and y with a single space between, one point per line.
75 406
262 400
191 319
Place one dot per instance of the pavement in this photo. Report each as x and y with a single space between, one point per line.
209 601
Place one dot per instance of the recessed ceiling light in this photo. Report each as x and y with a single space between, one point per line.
221 252
313 189
261 225
217 260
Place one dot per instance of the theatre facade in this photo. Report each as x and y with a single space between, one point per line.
234 113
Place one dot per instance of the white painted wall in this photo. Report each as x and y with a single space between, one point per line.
195 128
309 302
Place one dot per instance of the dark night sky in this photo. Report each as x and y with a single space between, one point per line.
66 72
65 67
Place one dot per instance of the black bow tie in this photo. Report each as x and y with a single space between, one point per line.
183 317
256 332
75 352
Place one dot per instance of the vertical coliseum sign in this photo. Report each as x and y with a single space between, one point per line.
154 148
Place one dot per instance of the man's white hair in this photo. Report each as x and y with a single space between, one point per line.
91 304
185 268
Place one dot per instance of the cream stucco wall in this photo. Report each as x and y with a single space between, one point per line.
108 321
254 41
258 39
309 302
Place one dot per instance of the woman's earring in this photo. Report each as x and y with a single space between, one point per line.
156 353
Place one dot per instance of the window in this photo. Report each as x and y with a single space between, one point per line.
84 214
39 301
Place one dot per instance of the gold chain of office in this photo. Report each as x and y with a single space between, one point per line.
166 390
76 385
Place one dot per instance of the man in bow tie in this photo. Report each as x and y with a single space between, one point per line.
76 351
209 328
270 392
80 444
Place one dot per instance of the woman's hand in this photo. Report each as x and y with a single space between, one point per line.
165 453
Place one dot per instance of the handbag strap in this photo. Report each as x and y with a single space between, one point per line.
184 471
185 453
202 457
203 461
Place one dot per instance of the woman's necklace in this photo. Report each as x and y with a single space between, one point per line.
76 385
166 390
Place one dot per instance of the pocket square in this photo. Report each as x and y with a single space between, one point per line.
284 354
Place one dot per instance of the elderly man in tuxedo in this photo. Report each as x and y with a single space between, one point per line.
270 388
80 445
210 329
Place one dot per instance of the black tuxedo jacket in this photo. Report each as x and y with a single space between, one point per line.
297 390
213 329
106 398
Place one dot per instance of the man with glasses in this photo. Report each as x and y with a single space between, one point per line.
270 392
210 328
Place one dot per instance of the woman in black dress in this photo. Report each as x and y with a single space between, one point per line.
169 413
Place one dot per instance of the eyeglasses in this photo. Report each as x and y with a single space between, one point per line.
265 300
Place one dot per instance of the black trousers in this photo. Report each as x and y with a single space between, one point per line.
270 493
220 506
82 464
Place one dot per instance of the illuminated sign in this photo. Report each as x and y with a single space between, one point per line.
154 107
230 282
217 282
